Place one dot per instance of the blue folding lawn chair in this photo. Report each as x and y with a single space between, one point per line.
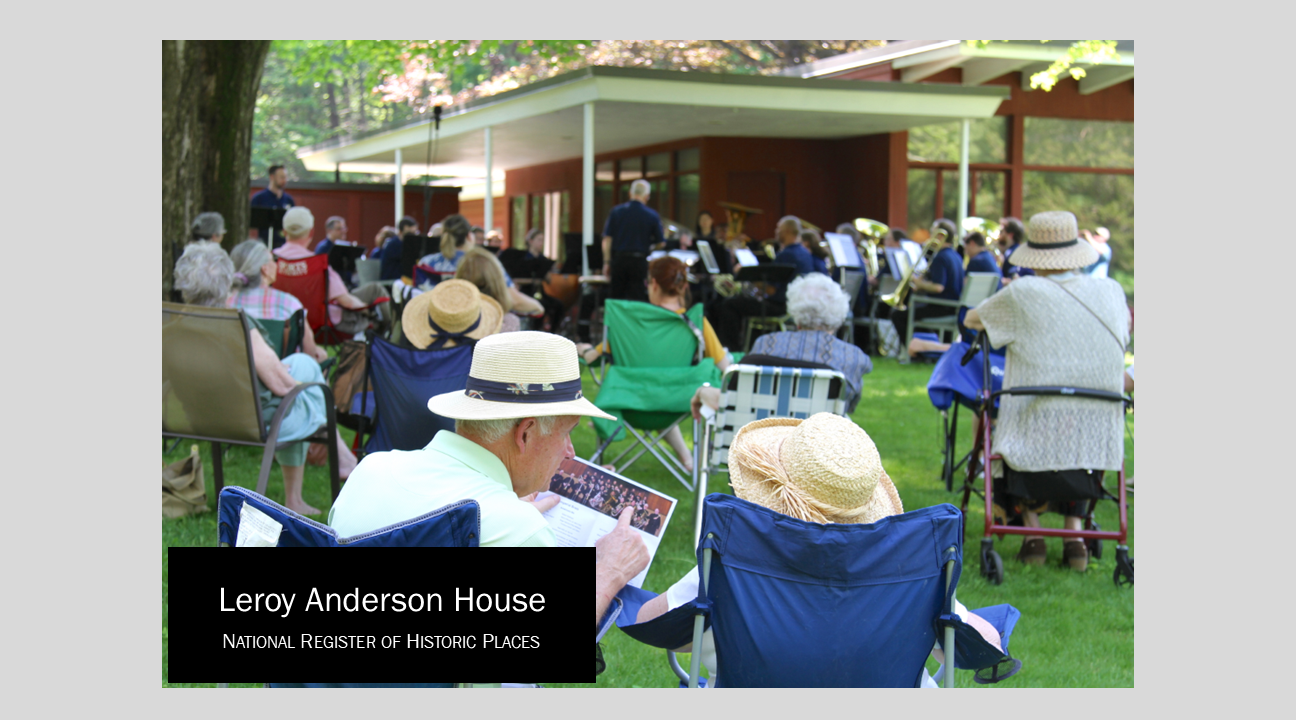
802 604
953 383
403 381
455 525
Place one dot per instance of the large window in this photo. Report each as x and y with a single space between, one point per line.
933 172
673 177
1079 143
1097 199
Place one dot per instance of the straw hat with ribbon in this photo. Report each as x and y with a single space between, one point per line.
1054 244
824 469
518 375
449 313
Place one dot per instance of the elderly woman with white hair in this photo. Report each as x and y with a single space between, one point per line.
819 307
204 276
255 270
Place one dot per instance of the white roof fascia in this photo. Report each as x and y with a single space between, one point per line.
1035 52
471 120
864 58
979 70
876 99
1101 77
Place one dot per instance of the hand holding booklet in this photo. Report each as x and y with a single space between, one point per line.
592 501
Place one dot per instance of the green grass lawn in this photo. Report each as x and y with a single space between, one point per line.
1076 630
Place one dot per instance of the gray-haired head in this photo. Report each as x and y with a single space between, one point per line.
815 302
248 257
640 189
206 225
789 224
334 222
204 274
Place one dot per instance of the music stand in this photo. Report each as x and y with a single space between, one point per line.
844 252
767 273
573 244
413 248
708 257
342 258
269 219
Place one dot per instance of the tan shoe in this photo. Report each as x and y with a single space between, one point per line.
1075 554
1033 552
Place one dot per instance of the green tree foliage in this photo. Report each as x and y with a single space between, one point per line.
1090 52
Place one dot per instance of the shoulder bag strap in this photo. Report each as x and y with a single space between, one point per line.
1115 337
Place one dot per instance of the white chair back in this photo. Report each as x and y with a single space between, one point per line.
754 392
978 286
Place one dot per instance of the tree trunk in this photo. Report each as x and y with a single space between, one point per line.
208 101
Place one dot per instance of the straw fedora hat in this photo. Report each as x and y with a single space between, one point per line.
517 375
452 310
1054 244
823 469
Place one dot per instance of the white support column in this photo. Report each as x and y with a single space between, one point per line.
587 189
400 188
488 205
966 131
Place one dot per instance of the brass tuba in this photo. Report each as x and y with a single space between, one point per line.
933 246
873 232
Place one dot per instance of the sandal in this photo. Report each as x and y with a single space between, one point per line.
1075 554
1033 552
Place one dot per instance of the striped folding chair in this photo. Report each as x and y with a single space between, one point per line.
755 392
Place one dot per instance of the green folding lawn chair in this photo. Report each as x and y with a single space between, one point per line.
285 336
657 365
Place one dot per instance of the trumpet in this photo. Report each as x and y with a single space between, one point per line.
873 232
897 299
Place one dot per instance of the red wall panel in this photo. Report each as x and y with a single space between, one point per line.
367 208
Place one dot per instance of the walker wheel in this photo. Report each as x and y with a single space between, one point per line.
1123 575
993 569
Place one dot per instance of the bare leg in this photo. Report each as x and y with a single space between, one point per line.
293 488
1031 519
346 459
676 440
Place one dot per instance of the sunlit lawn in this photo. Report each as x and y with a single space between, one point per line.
1077 630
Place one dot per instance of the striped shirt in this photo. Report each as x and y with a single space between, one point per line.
820 347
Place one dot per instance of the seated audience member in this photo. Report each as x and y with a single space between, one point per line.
406 231
733 311
819 306
668 289
1099 239
255 271
347 310
1060 328
456 239
208 226
482 269
204 276
453 312
505 449
824 469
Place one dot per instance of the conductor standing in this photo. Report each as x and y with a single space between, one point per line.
631 231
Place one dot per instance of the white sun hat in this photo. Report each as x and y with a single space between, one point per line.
517 375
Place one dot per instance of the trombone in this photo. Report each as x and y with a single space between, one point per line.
872 232
897 299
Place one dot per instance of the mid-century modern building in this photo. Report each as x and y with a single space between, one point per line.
879 133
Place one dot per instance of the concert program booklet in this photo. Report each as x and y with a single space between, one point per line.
592 501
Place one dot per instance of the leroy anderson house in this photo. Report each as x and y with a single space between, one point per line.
350 642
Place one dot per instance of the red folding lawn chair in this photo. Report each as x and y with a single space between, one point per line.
307 280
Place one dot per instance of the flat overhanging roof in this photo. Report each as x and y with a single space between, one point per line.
543 122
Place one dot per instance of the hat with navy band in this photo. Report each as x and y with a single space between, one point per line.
1053 243
452 313
518 375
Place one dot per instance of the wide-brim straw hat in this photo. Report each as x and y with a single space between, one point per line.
452 310
1053 243
518 375
823 469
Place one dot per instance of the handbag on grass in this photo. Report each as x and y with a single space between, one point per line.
183 490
